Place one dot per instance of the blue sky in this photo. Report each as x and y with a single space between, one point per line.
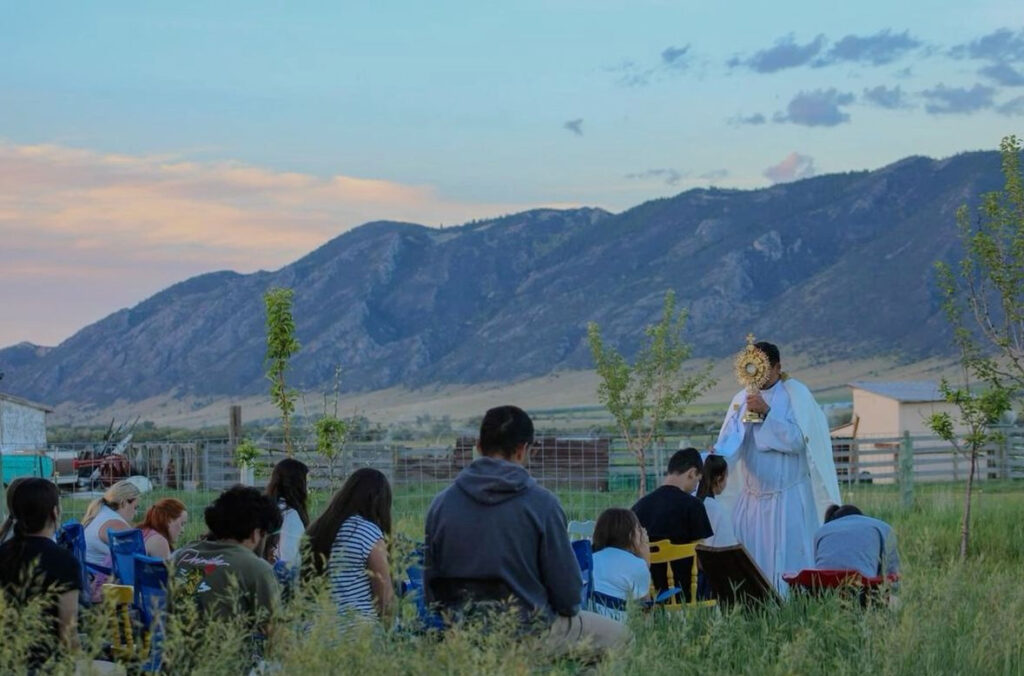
200 136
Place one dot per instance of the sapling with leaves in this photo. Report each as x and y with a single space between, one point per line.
970 434
281 346
331 431
656 387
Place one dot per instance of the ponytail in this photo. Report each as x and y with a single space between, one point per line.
715 467
113 497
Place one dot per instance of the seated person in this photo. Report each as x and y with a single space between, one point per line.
162 525
224 573
622 559
348 543
851 541
288 487
114 510
713 480
496 533
32 565
670 512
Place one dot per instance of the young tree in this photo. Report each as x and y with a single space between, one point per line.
978 412
984 303
643 396
281 345
331 431
984 298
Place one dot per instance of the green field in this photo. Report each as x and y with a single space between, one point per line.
953 618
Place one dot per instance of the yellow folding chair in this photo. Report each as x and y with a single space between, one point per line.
121 596
663 551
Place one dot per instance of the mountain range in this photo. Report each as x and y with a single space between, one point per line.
836 267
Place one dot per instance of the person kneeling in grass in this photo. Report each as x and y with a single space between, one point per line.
849 540
225 573
496 534
622 560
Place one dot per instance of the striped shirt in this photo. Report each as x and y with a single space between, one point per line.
346 568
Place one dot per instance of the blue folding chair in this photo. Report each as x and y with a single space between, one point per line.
584 552
287 575
151 602
124 544
412 587
71 536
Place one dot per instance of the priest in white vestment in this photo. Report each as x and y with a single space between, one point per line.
783 476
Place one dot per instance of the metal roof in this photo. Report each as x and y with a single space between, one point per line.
902 390
24 402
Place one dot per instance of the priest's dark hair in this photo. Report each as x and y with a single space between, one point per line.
503 429
770 351
834 512
715 467
684 460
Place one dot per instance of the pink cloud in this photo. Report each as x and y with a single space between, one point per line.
793 167
68 216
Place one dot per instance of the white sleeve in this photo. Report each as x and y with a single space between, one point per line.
291 536
730 437
779 433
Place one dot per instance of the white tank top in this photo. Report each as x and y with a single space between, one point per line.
97 552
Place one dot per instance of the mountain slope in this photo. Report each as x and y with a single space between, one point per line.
839 265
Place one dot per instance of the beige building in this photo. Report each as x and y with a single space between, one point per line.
868 446
890 408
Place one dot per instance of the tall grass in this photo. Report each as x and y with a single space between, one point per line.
953 618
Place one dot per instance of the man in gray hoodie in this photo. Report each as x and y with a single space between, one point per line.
495 533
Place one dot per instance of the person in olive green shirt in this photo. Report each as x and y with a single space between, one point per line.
223 573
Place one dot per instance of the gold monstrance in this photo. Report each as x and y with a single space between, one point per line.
752 369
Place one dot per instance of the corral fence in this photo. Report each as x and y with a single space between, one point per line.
587 472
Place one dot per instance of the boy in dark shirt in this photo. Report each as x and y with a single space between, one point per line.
670 512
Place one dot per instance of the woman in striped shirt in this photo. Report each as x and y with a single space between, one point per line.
348 542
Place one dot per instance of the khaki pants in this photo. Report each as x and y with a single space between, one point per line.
588 633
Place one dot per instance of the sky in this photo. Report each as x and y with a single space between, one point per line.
144 143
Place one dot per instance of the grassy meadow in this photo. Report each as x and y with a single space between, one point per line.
953 617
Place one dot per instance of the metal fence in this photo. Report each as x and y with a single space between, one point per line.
588 473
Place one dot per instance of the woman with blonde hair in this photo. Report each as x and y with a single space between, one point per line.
114 510
162 525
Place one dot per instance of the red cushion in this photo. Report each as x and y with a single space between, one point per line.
813 578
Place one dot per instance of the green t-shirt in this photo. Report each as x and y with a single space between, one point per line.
226 579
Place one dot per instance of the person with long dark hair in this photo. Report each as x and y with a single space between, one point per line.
33 565
349 543
713 481
288 488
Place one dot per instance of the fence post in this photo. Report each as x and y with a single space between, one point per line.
906 472
1004 459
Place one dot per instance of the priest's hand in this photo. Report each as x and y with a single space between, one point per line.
757 404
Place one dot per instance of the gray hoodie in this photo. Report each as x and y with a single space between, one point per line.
495 522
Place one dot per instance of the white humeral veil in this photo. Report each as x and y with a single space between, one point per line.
777 510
